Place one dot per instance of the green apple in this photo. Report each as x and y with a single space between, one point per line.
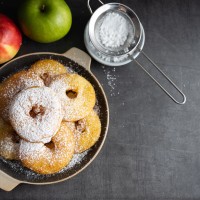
45 21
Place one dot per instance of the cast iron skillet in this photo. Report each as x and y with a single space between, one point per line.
80 62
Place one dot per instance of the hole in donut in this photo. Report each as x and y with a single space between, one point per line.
71 94
46 78
37 110
80 126
50 145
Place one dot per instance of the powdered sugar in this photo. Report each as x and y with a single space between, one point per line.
77 158
97 108
8 148
49 158
31 175
15 84
78 107
106 58
45 124
111 77
113 30
7 145
33 149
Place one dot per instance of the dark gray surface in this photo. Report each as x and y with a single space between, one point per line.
153 146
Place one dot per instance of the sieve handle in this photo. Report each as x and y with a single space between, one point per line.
167 78
89 7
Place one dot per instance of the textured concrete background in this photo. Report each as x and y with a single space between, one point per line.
153 145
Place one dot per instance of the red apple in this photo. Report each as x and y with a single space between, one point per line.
10 39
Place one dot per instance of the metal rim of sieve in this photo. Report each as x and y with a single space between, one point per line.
128 13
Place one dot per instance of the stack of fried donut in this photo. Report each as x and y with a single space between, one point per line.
46 116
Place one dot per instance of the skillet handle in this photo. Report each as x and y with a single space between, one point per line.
79 57
7 183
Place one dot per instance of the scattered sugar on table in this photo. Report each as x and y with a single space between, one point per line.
111 77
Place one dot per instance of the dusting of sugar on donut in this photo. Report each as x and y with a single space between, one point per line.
46 69
9 141
9 149
18 168
45 124
86 131
81 105
33 150
14 84
80 128
47 160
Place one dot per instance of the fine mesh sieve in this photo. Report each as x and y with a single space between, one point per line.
134 34
130 46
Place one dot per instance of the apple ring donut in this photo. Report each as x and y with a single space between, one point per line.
9 141
86 131
47 68
14 84
49 158
77 95
36 114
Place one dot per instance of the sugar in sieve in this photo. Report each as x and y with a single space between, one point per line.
131 48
